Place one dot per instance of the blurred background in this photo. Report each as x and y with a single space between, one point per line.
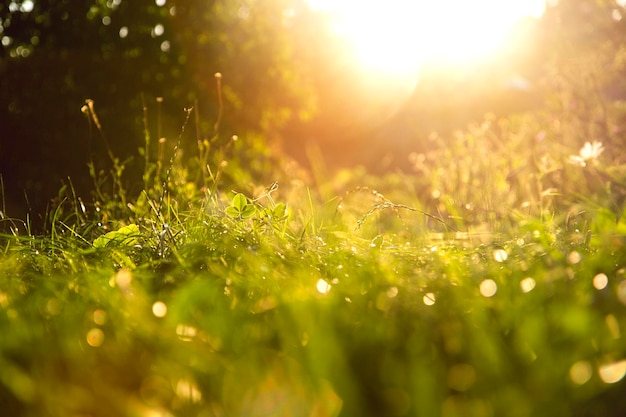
345 83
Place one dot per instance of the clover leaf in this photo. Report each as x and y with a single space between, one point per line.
240 208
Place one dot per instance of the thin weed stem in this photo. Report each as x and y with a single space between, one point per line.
220 102
117 167
197 120
146 136
173 158
384 203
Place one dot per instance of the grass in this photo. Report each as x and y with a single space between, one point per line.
473 286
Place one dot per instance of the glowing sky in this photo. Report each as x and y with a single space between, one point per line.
400 35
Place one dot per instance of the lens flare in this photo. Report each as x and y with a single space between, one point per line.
400 36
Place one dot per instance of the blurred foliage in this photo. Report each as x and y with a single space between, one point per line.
123 55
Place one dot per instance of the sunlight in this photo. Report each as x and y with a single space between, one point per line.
323 286
612 372
401 35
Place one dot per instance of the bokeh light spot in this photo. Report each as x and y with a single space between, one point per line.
323 286
488 288
159 309
574 257
500 255
613 372
429 299
527 284
580 372
4 299
600 281
95 337
392 292
27 6
185 332
158 30
99 317
123 278
188 391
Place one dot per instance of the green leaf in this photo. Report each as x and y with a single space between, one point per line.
239 202
248 211
232 211
280 211
239 207
126 236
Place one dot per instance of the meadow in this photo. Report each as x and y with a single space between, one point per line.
488 281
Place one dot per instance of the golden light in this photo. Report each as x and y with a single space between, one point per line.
611 373
580 372
399 36
323 286
159 309
488 288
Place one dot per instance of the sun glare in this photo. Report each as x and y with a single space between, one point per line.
399 36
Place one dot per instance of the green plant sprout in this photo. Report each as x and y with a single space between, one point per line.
124 236
240 208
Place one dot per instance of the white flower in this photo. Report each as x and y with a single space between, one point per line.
589 152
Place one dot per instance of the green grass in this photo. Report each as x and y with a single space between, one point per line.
473 287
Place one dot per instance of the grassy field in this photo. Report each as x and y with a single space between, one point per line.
488 282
